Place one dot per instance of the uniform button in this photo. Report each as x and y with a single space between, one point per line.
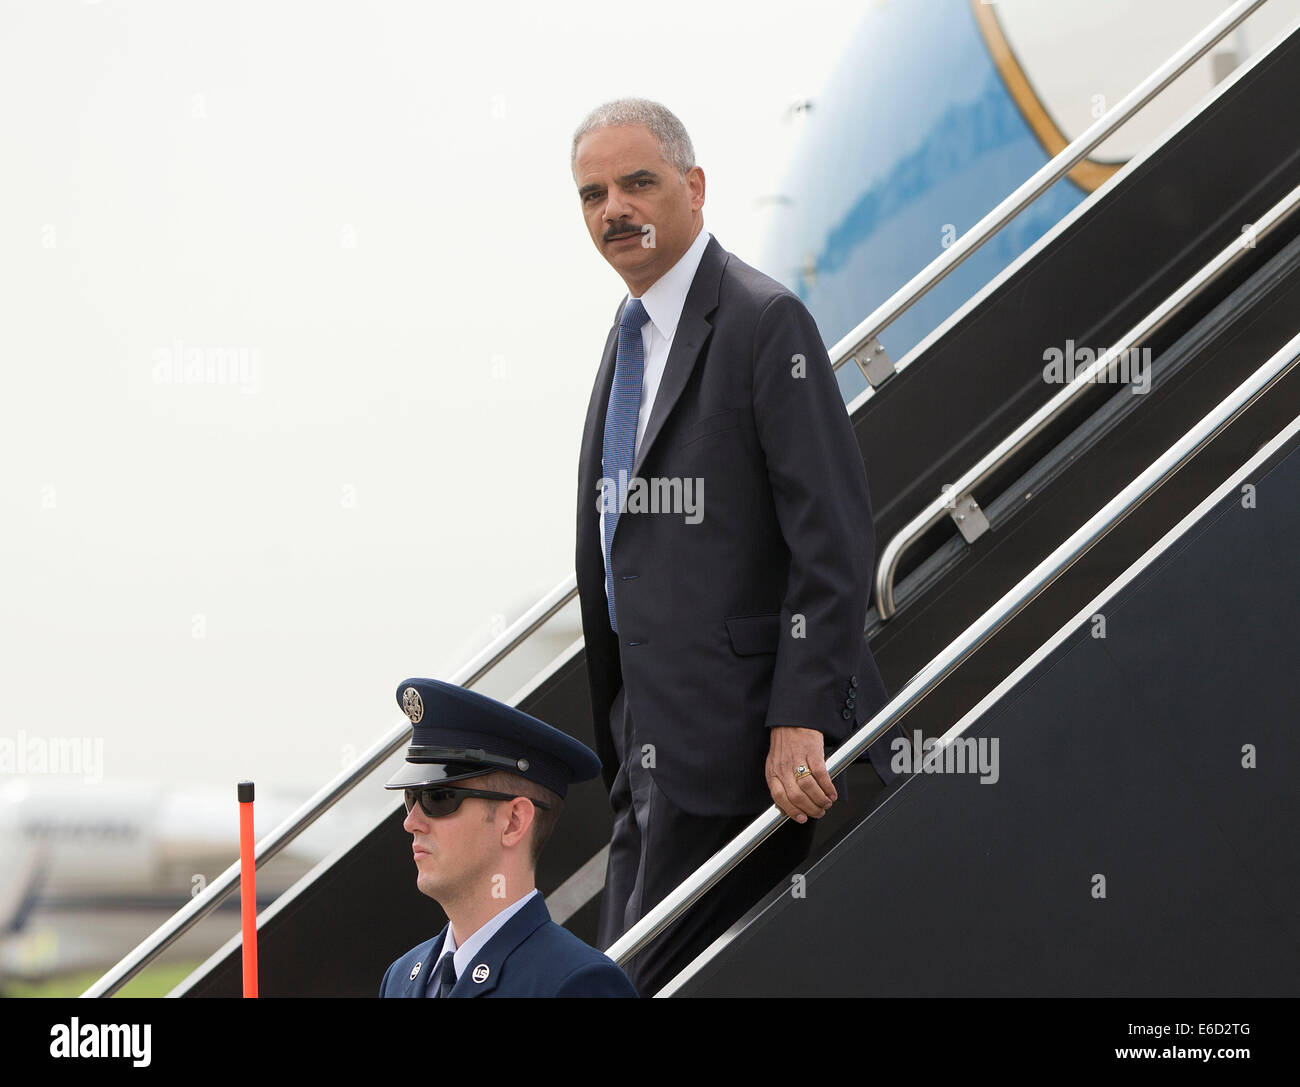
851 699
847 714
853 681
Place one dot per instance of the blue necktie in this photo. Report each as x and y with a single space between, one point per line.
621 416
447 974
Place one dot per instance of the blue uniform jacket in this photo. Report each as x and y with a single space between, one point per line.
530 956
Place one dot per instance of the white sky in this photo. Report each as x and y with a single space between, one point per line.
375 198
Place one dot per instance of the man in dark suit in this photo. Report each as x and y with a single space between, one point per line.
484 784
724 637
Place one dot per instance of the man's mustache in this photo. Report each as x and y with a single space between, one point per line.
621 230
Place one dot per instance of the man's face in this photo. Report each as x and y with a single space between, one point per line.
624 186
455 854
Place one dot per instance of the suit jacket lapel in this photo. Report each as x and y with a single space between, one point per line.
426 967
692 330
493 954
593 434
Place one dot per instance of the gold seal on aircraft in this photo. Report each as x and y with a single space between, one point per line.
412 706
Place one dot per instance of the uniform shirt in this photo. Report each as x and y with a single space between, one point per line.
464 955
663 301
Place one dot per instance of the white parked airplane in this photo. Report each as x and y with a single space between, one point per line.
86 872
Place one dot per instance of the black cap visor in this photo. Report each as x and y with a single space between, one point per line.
442 765
414 775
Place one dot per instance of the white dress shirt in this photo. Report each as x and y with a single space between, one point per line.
465 954
663 301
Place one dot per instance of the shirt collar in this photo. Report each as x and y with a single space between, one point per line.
464 955
664 299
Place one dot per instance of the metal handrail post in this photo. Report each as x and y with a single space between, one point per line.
941 506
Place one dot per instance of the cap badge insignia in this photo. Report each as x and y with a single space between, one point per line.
412 706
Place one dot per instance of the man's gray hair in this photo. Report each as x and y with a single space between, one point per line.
674 144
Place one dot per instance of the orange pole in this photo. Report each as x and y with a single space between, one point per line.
248 886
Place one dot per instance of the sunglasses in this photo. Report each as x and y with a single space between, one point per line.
440 800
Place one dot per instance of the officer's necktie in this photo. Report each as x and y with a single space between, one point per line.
446 973
620 426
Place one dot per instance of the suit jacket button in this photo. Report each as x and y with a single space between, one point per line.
847 714
853 681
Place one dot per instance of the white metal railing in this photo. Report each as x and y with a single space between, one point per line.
960 497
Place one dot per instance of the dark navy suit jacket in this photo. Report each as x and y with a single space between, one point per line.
754 616
530 956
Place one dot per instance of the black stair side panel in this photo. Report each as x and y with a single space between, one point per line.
1121 757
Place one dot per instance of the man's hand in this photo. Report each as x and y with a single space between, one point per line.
799 797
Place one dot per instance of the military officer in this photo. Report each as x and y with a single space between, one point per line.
484 784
